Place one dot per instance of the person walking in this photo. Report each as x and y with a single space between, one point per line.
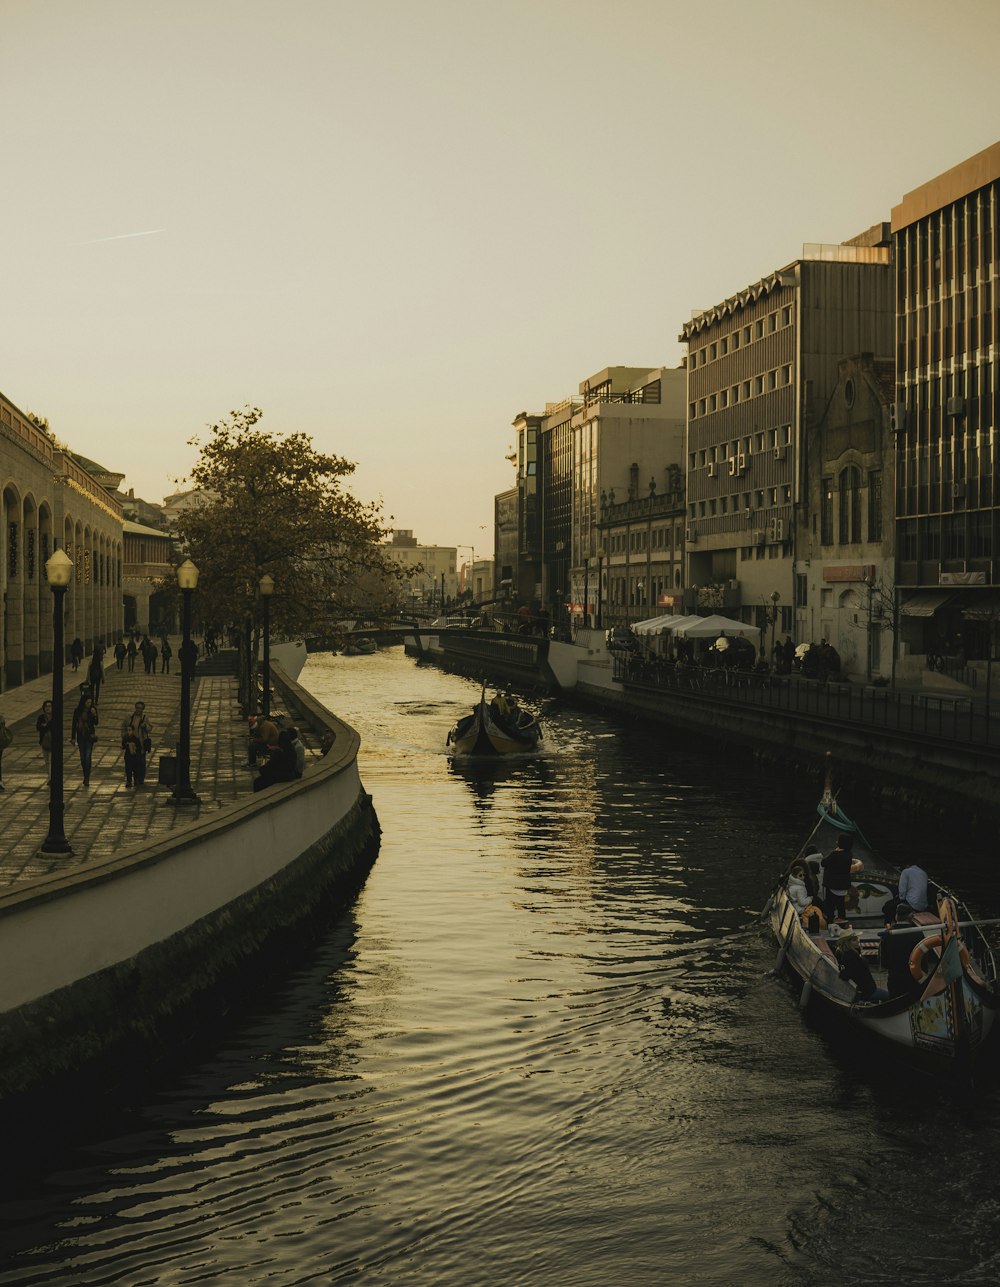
95 672
76 653
166 652
85 735
6 737
130 653
43 726
136 743
120 653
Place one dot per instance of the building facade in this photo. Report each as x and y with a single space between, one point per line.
50 501
434 583
148 562
945 418
761 368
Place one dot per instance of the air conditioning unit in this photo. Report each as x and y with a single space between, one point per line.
711 470
758 538
780 453
691 535
957 491
897 417
742 462
732 467
955 407
779 529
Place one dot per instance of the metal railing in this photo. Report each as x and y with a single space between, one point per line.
956 719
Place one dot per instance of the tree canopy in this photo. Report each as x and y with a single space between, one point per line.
274 504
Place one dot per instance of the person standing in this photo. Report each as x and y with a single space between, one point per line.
43 725
85 735
136 743
76 653
130 652
837 878
6 737
120 653
166 652
95 672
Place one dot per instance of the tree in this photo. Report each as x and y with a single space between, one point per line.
279 507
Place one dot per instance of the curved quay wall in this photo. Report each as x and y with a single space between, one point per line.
110 956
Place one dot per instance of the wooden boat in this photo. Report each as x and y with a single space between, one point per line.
362 646
948 1010
488 731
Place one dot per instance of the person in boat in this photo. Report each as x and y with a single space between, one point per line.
500 706
912 892
837 878
854 969
895 946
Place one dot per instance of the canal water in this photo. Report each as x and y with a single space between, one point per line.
543 1047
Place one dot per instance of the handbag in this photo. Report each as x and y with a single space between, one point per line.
147 745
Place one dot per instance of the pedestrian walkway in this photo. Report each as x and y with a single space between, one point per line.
104 818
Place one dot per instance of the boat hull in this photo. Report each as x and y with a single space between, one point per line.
481 734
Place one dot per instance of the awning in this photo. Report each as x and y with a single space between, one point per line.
926 603
986 609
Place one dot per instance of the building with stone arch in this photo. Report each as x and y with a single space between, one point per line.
50 501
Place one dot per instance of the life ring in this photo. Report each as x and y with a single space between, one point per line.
857 867
932 944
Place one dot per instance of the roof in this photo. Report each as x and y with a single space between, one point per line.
959 181
140 529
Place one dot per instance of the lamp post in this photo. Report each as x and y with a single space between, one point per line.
775 596
58 573
187 579
586 591
266 586
870 586
640 596
600 584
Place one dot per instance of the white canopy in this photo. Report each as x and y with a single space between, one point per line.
662 625
712 627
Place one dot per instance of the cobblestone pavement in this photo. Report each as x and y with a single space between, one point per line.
106 817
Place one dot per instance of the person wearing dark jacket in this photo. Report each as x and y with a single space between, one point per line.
280 766
837 878
85 734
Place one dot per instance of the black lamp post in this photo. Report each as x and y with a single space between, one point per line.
600 585
58 573
775 596
266 586
870 585
187 579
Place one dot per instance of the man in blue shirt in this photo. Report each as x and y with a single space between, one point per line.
913 887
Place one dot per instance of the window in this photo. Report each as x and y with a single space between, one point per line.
874 504
746 335
826 512
772 379
786 316
758 384
786 375
746 388
850 505
713 352
692 410
759 329
772 322
736 339
723 347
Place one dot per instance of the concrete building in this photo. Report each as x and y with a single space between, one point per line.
505 544
49 500
435 580
640 553
625 419
148 562
845 573
762 366
947 462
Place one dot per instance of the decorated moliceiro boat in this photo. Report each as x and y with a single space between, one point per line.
930 979
498 727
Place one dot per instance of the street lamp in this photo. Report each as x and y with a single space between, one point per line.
600 584
775 596
187 579
266 586
58 573
640 596
870 585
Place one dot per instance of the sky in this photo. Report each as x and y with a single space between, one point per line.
396 224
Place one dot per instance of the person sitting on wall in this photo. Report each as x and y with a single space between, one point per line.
280 766
263 738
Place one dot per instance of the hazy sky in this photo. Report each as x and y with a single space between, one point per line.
394 224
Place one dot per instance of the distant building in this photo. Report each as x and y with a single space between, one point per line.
434 583
946 414
640 553
762 366
505 544
148 562
50 500
624 418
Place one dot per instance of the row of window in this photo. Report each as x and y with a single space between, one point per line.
852 504
767 440
948 536
779 378
635 541
730 343
741 502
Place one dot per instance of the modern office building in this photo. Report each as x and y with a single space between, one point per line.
761 367
946 244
